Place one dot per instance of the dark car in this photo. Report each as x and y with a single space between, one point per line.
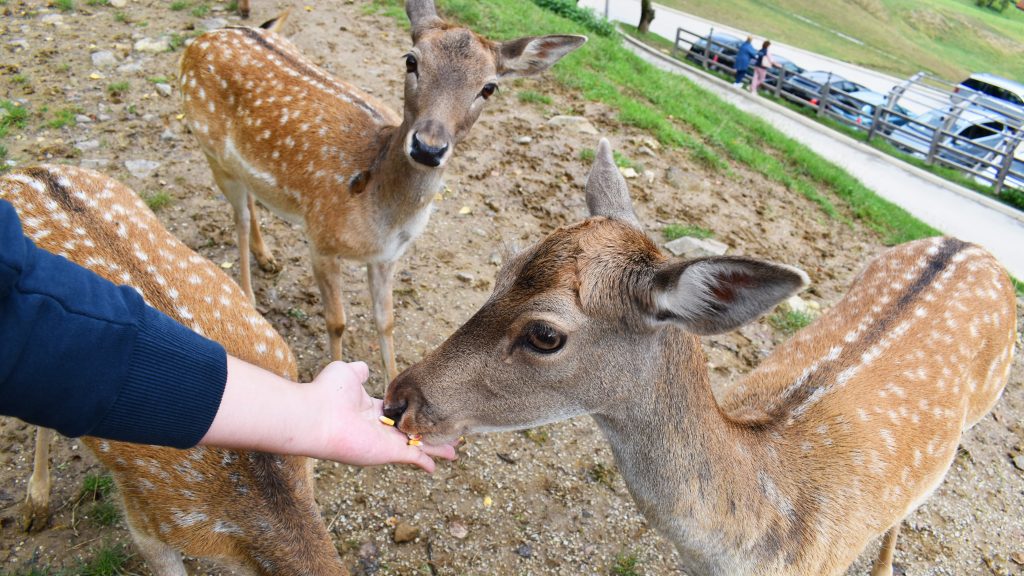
806 88
859 108
784 64
722 53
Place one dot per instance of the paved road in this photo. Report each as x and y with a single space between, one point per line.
952 209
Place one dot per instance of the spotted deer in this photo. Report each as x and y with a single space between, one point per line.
357 177
251 511
830 442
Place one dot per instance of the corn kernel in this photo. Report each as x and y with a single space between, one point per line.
414 442
386 421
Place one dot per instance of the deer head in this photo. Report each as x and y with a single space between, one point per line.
451 72
575 322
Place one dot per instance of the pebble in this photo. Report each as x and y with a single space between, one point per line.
118 3
458 529
82 119
525 551
94 163
467 278
494 258
1018 461
405 532
578 123
646 151
103 59
141 168
163 89
52 19
130 67
86 145
151 45
690 247
628 172
211 24
168 135
524 139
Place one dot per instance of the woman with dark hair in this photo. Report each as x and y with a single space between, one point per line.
762 62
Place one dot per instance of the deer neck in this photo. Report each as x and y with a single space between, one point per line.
707 482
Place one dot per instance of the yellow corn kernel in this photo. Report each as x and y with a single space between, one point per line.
386 421
414 442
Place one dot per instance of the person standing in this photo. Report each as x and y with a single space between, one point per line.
746 53
762 62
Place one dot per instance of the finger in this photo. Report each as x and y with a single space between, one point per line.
417 457
359 370
446 451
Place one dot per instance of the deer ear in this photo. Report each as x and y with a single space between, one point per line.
422 15
716 295
534 54
607 194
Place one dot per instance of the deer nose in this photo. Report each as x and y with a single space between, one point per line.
395 408
425 153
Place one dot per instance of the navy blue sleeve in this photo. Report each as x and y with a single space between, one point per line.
86 357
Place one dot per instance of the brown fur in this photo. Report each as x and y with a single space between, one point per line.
251 510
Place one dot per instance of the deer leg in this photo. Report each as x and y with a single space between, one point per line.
36 509
883 565
238 195
263 256
382 281
243 8
162 559
327 271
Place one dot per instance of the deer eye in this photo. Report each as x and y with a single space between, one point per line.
410 64
488 89
544 339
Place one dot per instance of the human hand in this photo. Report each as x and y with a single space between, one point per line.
351 430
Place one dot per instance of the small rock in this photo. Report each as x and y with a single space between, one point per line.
690 247
141 168
524 139
104 118
578 123
458 529
52 19
150 45
163 89
211 24
1018 461
467 278
646 151
494 258
94 163
86 145
18 44
405 532
168 135
525 551
103 59
797 304
628 172
118 3
129 67
82 119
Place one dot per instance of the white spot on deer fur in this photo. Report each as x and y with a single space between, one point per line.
186 519
104 446
184 313
225 527
261 348
887 437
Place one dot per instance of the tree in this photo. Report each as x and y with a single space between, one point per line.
646 16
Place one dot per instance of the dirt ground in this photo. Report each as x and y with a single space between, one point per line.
545 502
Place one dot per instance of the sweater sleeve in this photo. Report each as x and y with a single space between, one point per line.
86 357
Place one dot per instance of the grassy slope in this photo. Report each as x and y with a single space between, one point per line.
681 114
950 38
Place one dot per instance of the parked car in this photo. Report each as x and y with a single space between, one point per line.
786 64
806 88
991 87
722 53
859 108
974 125
1014 179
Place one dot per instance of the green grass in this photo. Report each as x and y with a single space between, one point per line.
159 80
178 5
3 159
16 117
120 16
790 321
96 487
626 564
682 115
64 5
674 231
950 38
531 97
108 560
97 2
118 89
201 11
64 117
19 79
157 200
105 513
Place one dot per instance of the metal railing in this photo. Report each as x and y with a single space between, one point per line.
924 116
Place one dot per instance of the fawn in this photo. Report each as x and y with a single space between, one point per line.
251 511
835 438
357 177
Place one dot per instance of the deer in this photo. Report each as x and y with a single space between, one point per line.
251 511
357 177
830 442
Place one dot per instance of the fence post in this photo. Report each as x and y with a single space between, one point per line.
942 131
779 80
707 48
1008 156
824 95
675 45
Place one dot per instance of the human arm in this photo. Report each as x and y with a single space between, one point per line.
331 417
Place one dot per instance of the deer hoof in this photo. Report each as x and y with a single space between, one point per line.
268 264
34 515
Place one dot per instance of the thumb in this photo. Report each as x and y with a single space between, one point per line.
360 370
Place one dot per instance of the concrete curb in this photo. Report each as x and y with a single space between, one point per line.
843 138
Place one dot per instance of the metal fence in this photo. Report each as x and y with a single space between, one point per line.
924 116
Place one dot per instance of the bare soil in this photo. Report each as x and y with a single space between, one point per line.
549 501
